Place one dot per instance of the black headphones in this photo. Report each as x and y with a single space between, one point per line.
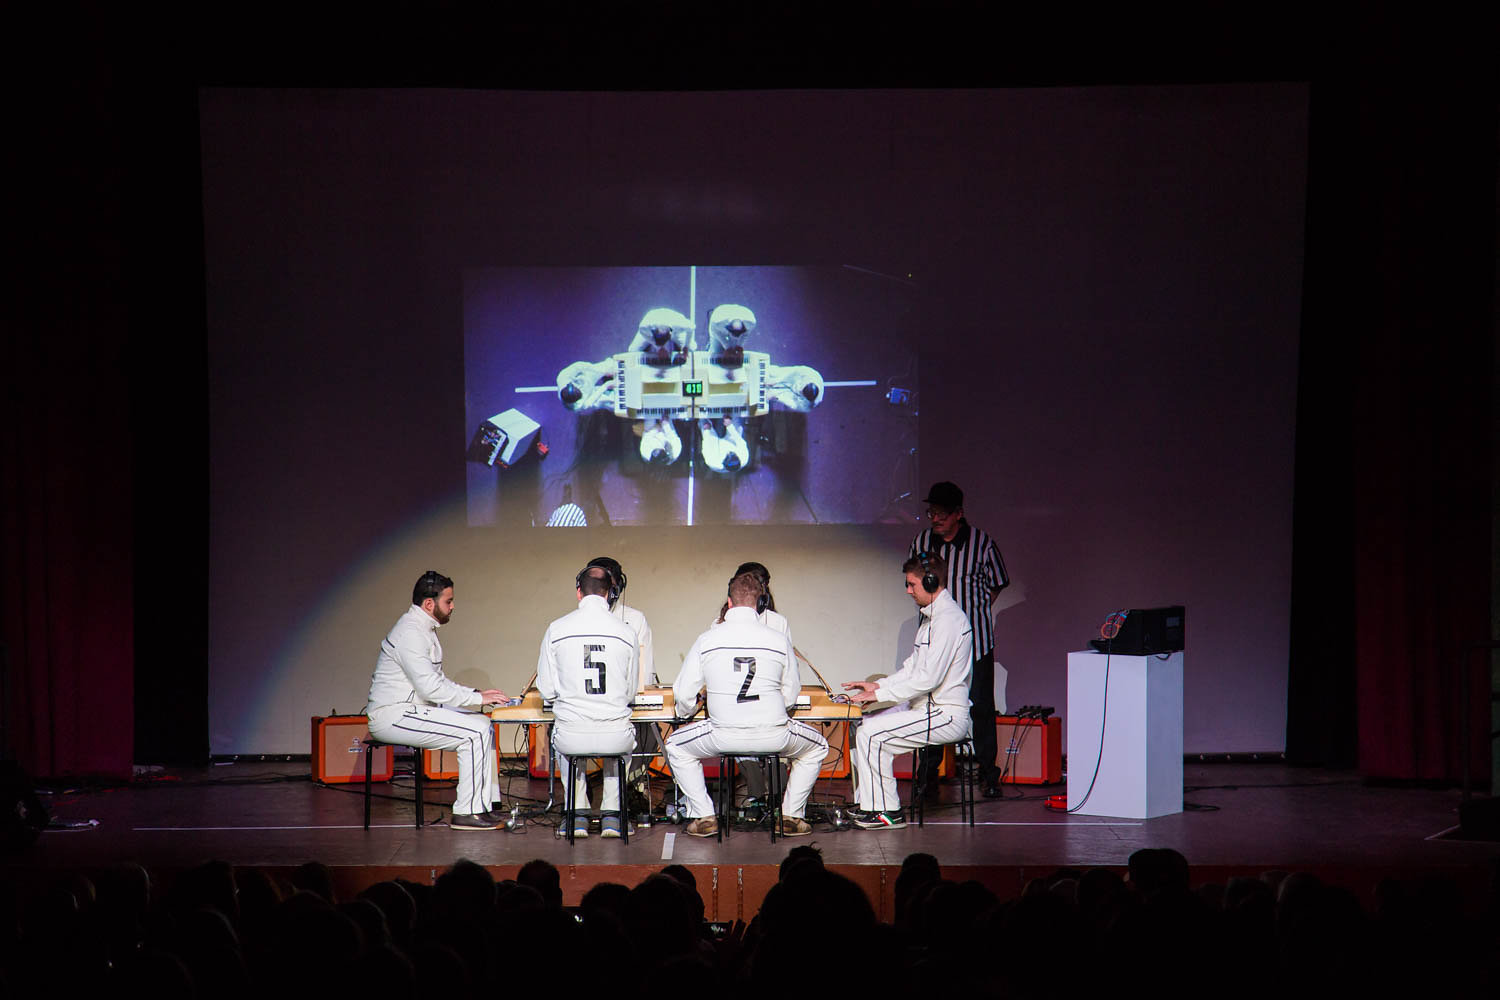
612 570
930 582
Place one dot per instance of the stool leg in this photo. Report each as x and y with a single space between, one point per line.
773 785
971 776
726 802
369 772
567 796
622 767
417 757
917 801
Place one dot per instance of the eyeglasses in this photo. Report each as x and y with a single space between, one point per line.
938 513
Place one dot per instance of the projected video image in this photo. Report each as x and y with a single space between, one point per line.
689 395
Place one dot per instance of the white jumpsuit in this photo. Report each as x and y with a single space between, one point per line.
413 703
752 680
587 668
934 680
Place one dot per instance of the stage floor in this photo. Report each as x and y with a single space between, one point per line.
1242 819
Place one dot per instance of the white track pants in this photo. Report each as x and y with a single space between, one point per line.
689 746
431 727
577 740
882 737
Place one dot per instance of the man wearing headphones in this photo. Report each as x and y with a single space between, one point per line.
934 681
647 740
766 614
976 575
587 669
630 616
413 703
750 673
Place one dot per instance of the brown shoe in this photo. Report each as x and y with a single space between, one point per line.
468 824
795 826
706 826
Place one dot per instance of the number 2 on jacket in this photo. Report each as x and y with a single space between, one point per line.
745 695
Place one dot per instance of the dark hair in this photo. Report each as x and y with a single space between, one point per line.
762 575
927 562
429 584
614 569
594 580
802 854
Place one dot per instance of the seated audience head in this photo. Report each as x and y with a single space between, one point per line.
800 857
544 877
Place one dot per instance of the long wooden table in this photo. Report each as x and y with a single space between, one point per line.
532 711
820 710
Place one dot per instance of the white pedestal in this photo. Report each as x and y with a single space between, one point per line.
1140 771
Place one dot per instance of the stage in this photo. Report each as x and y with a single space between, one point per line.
1242 819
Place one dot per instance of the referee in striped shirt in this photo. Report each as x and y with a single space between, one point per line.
976 575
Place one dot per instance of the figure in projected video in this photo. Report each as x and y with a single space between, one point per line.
663 378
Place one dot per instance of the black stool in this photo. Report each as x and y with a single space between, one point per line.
371 745
965 761
771 763
576 760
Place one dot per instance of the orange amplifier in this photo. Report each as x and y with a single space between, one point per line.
1030 750
338 751
906 761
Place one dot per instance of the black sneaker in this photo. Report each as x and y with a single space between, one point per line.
469 824
894 819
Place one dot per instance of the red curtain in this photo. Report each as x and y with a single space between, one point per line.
1422 368
66 445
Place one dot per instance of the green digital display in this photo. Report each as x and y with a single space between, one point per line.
692 388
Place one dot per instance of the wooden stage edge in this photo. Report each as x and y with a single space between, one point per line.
1238 820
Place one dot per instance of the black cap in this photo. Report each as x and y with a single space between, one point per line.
946 495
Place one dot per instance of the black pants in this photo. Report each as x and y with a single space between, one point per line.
982 713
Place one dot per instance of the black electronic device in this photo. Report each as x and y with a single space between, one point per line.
1146 632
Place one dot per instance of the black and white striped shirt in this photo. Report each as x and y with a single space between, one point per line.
975 573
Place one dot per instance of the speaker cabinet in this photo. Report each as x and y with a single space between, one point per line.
1030 750
338 751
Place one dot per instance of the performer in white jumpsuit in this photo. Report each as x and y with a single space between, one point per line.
934 681
413 703
587 668
647 741
767 615
750 673
630 616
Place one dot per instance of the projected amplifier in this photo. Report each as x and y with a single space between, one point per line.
505 439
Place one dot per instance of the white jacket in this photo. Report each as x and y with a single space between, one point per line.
410 667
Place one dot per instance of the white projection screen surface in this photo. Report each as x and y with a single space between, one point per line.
1080 304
